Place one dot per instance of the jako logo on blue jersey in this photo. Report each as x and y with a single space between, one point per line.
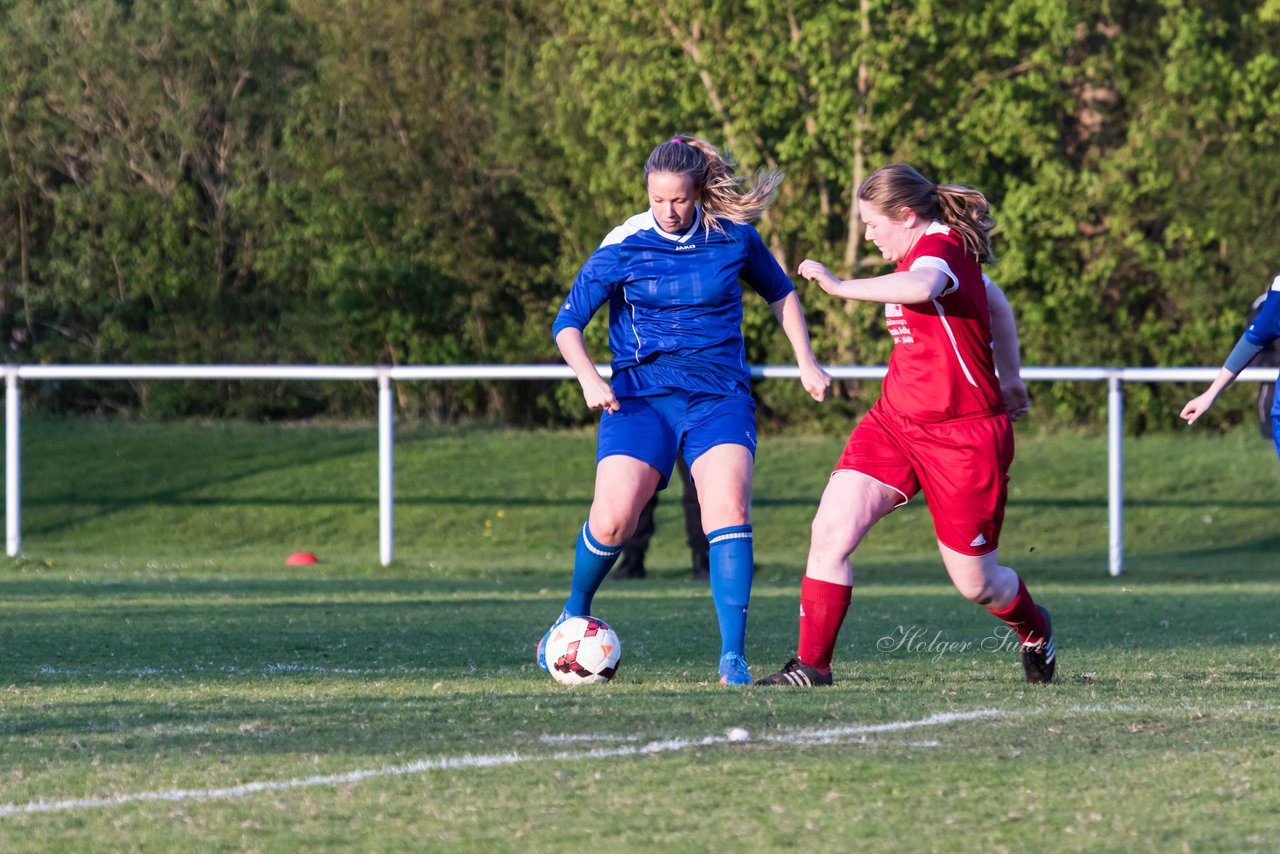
685 246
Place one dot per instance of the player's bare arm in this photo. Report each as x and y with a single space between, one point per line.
907 287
791 318
1203 402
1006 352
1242 354
595 390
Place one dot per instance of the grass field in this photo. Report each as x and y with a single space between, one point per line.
166 681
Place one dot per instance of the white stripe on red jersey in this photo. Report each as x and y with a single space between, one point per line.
942 367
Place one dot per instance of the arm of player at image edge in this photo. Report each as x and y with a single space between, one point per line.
1006 352
791 318
596 391
1264 329
1241 355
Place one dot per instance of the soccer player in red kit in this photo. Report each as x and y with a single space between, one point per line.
941 424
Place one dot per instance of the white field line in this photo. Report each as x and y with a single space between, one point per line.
491 761
594 739
805 736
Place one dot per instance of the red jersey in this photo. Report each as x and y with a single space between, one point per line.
942 367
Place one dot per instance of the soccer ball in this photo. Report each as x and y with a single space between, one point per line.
582 651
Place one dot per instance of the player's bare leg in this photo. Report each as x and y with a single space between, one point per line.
851 504
981 579
722 477
623 486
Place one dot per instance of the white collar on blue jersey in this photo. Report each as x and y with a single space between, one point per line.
678 238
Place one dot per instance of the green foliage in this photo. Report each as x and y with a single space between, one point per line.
279 182
417 182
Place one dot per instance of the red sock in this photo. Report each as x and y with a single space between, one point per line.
822 609
1023 616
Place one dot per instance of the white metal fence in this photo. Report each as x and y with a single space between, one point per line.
384 377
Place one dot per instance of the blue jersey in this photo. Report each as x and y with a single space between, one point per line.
675 306
1266 326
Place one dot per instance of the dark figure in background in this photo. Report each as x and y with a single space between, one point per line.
631 564
1268 358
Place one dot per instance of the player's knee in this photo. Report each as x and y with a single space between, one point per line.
828 534
978 590
724 514
995 587
612 528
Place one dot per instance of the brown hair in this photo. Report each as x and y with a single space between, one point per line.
714 179
896 186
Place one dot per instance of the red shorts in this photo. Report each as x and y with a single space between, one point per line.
962 466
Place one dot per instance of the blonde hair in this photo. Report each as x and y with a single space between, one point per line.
720 190
896 186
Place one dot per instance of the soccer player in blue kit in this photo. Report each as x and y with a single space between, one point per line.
1264 329
680 377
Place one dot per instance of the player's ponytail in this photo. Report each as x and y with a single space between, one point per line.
896 186
713 173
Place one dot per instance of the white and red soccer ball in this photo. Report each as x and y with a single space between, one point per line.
582 651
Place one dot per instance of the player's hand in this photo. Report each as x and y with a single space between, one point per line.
815 381
1016 400
599 395
1196 407
816 272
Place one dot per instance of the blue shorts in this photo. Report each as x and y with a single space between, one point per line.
653 428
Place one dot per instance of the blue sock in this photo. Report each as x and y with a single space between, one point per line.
732 561
591 563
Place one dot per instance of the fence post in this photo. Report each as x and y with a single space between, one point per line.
12 463
1115 472
386 469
